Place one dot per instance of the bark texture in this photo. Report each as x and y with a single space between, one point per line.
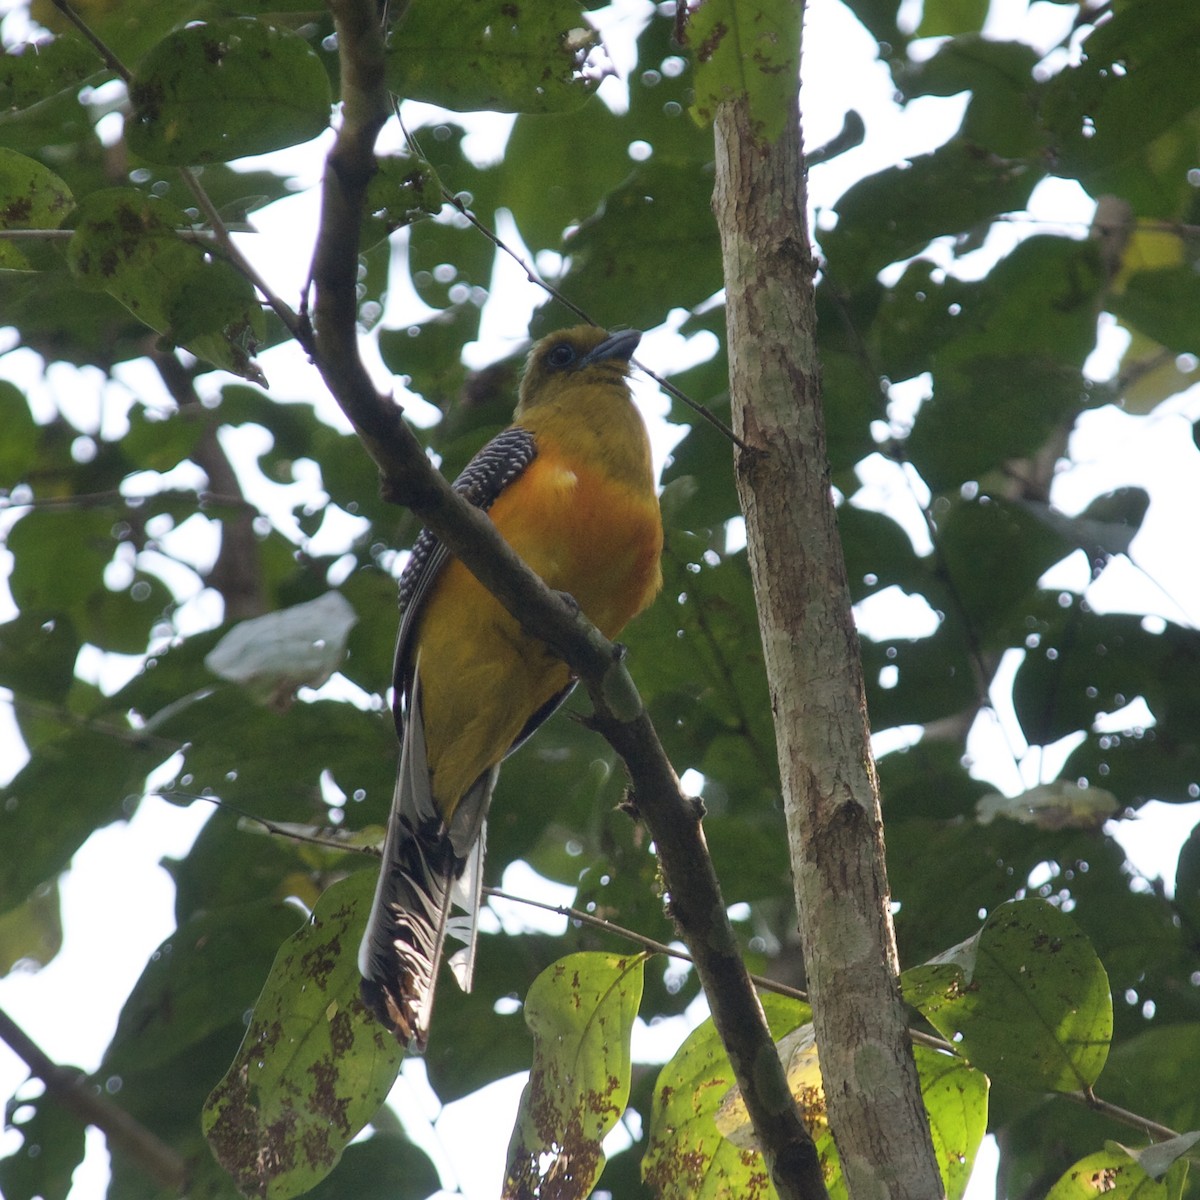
830 788
409 478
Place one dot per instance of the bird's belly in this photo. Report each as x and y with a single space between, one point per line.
482 675
592 538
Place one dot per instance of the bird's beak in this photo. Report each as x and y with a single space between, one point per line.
619 345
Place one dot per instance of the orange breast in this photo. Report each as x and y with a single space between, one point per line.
586 535
482 676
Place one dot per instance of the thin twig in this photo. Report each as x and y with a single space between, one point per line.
295 326
1152 1129
203 236
491 235
71 1089
695 405
101 47
41 235
86 500
137 738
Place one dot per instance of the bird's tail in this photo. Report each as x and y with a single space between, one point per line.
429 867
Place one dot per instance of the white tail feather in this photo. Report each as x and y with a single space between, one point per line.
427 868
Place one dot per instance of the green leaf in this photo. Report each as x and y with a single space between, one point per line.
1011 373
878 552
1187 878
852 398
928 779
1026 999
657 225
430 354
1002 115
129 246
995 605
492 54
314 1065
471 1044
193 997
225 89
31 197
1111 1173
1094 664
746 48
879 16
39 584
545 199
42 1167
32 73
927 678
581 1012
896 213
942 17
1106 527
686 1158
1124 121
448 261
403 189
1162 304
177 1002
85 778
37 656
31 933
956 1102
955 1099
114 620
384 1167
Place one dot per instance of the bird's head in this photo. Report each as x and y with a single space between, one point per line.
582 356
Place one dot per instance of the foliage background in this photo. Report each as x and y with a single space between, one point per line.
966 386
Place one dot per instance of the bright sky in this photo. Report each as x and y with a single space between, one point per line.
117 901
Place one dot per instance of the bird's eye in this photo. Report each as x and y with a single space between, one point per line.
562 355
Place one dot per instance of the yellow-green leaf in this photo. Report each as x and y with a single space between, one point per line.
747 48
1026 999
314 1066
687 1158
31 197
1111 1174
581 1011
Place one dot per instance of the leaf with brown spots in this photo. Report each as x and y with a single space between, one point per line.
581 1011
224 89
686 1157
1026 999
314 1066
128 244
1113 1174
746 48
703 1146
494 54
31 197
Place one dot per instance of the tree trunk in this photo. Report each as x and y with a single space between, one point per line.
830 788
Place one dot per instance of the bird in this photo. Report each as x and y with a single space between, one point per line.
570 485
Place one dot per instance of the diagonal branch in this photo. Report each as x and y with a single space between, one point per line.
70 1089
409 479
